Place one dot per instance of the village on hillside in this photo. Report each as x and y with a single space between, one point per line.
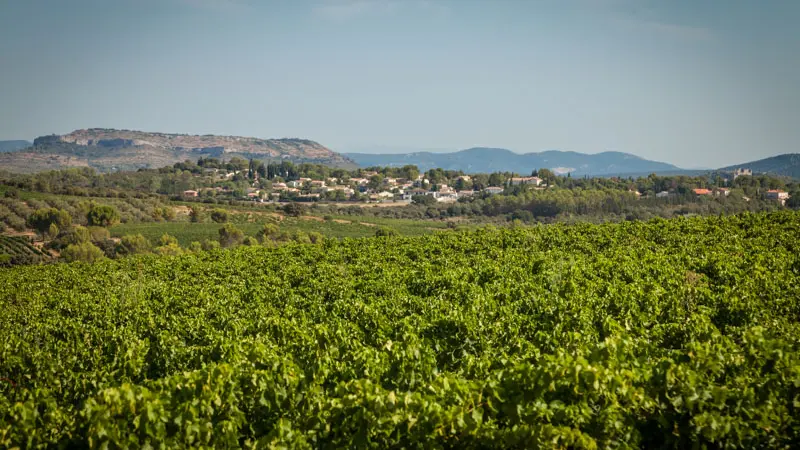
370 186
280 184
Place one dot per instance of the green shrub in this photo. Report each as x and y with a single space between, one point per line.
53 231
168 213
383 231
72 236
133 244
422 199
315 237
98 234
41 219
267 232
85 252
294 209
208 244
169 250
196 214
230 236
102 216
301 237
219 216
166 239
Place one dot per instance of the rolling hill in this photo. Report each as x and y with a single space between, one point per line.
481 159
786 165
110 150
12 146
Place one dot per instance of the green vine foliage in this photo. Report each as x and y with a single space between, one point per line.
676 333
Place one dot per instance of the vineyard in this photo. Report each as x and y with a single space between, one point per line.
16 250
681 333
188 232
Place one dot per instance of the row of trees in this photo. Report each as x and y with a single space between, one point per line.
173 180
92 244
52 220
229 236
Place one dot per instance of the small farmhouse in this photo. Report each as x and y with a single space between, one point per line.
779 195
536 181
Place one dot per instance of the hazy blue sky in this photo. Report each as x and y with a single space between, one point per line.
692 82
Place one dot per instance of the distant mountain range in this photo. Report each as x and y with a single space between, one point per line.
109 150
786 165
482 159
390 149
12 146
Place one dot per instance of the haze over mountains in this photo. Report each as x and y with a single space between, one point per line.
11 146
482 159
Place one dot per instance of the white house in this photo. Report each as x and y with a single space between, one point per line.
346 189
445 189
536 181
446 197
493 190
722 191
412 192
776 194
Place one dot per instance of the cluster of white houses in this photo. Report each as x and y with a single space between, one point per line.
390 188
444 193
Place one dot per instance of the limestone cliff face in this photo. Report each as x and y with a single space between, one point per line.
110 149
